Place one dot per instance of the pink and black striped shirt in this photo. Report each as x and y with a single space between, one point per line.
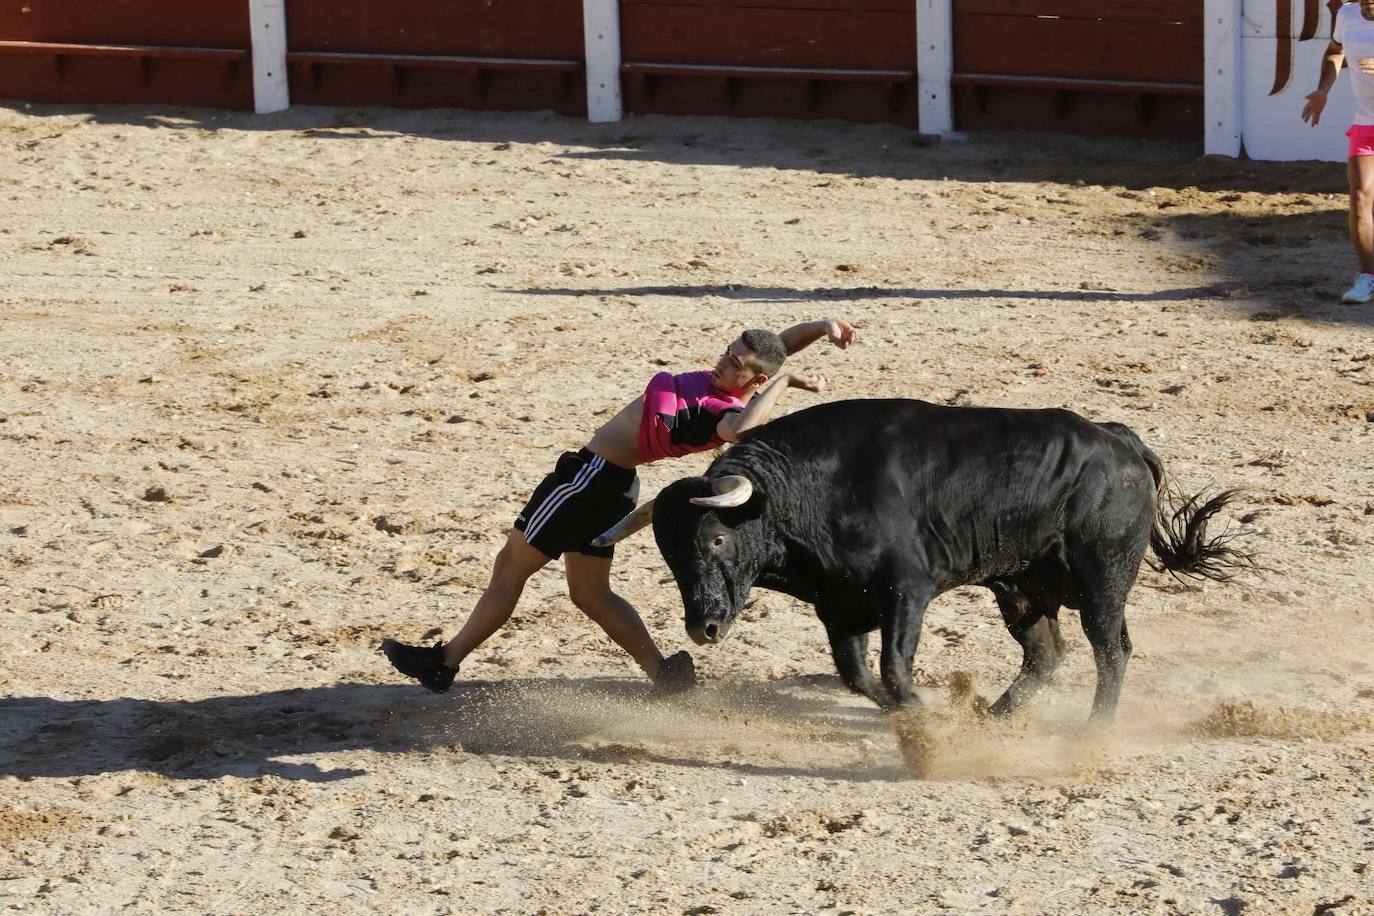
680 415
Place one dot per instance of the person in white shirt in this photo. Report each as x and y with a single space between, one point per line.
1353 36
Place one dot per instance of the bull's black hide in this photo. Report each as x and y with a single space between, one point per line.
868 509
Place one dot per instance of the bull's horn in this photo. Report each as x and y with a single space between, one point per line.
641 516
730 491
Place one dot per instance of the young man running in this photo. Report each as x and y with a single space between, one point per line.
592 489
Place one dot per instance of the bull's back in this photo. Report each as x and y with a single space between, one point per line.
929 440
986 480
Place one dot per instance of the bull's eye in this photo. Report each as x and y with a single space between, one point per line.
719 542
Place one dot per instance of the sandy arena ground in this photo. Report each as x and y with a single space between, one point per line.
275 387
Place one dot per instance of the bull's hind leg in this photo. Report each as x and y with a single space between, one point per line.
1105 627
851 661
1103 583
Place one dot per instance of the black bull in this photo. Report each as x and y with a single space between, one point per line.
869 509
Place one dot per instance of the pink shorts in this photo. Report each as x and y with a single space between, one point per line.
1361 140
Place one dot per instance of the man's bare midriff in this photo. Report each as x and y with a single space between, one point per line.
618 439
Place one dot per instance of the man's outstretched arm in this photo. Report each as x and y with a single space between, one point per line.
756 414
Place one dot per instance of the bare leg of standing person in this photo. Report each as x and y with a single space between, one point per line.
1360 171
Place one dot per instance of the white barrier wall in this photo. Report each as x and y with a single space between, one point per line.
1262 59
270 88
1282 42
601 28
1221 127
935 65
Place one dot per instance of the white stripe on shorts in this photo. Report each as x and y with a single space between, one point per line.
561 494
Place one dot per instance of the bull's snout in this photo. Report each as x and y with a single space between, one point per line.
712 630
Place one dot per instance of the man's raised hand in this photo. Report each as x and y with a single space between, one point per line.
806 382
841 333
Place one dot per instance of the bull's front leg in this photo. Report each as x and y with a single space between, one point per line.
901 631
851 661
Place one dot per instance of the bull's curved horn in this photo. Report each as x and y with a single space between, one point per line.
638 518
730 491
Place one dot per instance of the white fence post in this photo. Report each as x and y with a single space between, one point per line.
601 32
271 91
1221 84
935 65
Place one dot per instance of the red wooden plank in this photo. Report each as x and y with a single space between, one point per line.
1117 11
1155 52
777 98
91 80
53 49
202 23
757 37
1128 87
420 87
444 61
893 6
549 29
1159 117
773 73
438 54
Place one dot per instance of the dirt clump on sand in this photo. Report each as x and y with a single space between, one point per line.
1246 720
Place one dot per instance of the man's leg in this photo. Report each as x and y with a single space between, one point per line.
589 586
514 565
435 666
1360 171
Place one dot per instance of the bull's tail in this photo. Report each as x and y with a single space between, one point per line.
1180 542
1179 534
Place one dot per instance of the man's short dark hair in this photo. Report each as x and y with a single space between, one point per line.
768 349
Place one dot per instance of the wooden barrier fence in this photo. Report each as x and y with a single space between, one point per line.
1130 67
105 51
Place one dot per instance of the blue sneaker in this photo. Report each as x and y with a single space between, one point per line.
1362 291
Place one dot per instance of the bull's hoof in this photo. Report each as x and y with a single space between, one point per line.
1002 708
677 673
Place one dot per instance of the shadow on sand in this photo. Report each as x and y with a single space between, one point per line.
759 729
745 293
830 146
1289 291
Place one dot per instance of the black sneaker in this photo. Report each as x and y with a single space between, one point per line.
676 674
424 663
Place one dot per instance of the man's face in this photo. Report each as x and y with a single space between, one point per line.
737 368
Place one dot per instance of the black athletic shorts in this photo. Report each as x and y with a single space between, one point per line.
584 496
